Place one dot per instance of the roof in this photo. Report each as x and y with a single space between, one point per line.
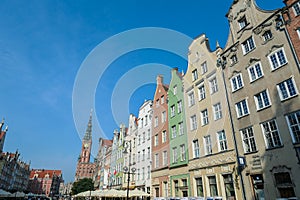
42 173
107 142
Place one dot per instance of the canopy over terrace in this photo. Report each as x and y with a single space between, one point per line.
112 194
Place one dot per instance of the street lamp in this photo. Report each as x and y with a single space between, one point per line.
127 146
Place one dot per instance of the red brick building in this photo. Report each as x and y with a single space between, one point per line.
160 140
291 15
85 169
47 182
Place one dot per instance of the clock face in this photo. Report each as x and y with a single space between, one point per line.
86 145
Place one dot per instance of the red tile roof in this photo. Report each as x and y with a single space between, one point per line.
41 173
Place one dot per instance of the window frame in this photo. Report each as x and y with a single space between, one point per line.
222 141
243 113
249 140
193 122
277 57
204 68
207 145
204 118
257 69
237 82
213 85
296 8
248 45
267 142
201 92
295 127
217 111
259 99
191 98
196 149
287 89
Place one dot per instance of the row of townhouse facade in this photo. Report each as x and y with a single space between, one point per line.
228 128
14 173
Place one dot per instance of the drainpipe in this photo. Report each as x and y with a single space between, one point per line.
222 64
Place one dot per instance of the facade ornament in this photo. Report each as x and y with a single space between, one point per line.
273 48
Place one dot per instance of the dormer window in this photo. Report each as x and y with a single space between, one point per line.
267 35
242 22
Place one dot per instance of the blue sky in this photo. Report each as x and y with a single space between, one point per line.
43 45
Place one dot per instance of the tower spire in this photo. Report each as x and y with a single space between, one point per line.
88 132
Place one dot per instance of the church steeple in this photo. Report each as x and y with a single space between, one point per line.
88 132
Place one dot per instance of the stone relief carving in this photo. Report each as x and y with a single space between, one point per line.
273 48
260 28
252 61
216 160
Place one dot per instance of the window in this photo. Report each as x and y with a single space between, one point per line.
149 153
174 154
162 99
175 90
138 178
193 121
182 152
163 117
180 128
204 67
156 140
262 100
293 121
164 136
287 89
213 86
213 186
157 103
179 106
143 173
236 82
248 45
191 99
166 189
138 156
176 186
284 184
277 59
217 111
165 158
255 72
144 137
249 143
207 145
267 35
148 172
172 110
199 187
143 155
156 121
156 160
204 117
233 59
173 129
242 22
146 120
296 8
271 134
229 188
201 92
194 75
142 123
242 108
196 149
149 134
139 141
298 32
222 140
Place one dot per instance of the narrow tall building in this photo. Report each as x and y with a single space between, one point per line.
85 168
179 156
160 140
262 76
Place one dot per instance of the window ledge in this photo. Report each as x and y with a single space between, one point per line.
283 100
261 109
272 148
252 152
272 70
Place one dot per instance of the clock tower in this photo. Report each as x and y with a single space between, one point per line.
85 169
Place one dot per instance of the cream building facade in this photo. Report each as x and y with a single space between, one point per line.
212 165
263 83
